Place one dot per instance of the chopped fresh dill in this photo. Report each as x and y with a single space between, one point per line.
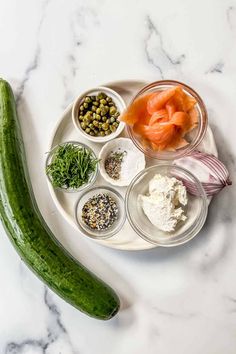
71 166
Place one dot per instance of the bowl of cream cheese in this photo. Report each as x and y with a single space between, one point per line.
166 205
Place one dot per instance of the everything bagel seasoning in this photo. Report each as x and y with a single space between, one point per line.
100 212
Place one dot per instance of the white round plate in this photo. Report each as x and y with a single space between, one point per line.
126 239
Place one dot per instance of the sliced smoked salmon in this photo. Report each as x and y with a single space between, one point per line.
179 99
189 102
170 107
162 119
137 111
182 120
162 133
193 114
158 100
159 116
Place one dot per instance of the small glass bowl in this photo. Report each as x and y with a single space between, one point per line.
196 209
92 177
194 137
115 227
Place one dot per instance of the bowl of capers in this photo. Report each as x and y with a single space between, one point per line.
96 112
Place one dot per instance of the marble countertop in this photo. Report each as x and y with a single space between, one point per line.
180 300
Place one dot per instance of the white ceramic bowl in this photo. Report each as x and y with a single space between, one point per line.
118 100
134 160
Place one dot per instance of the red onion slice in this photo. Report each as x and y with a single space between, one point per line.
218 174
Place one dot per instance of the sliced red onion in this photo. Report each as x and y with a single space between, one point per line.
218 174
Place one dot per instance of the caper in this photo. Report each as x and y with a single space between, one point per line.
112 110
87 115
103 101
103 111
87 120
100 116
83 125
101 95
105 126
87 99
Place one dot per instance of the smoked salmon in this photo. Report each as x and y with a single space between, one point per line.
159 116
163 118
137 111
159 99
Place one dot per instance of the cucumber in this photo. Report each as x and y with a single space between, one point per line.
27 230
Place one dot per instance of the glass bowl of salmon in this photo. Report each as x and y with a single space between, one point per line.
166 120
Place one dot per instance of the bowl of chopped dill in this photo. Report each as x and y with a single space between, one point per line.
71 166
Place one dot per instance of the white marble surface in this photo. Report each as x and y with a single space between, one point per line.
180 300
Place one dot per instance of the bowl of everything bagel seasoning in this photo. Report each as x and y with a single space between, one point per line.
100 212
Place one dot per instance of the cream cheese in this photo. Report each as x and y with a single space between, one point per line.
163 205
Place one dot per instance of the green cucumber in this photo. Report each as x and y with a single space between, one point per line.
29 233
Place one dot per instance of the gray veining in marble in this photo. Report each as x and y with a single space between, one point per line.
33 65
155 50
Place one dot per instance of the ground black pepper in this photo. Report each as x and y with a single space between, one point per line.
113 164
